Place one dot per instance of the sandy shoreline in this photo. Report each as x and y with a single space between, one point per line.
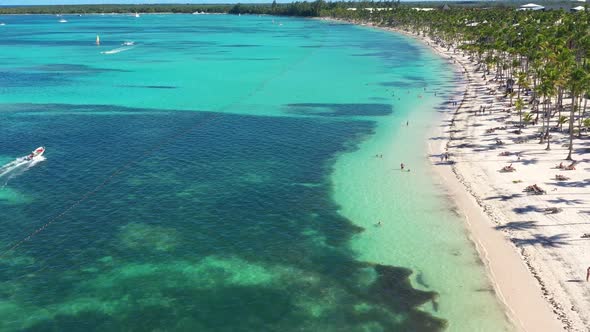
535 260
521 258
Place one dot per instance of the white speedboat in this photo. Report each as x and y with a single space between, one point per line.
38 152
136 15
129 43
63 20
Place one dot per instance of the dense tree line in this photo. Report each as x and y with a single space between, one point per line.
302 9
298 8
118 9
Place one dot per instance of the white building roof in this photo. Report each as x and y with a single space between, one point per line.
531 6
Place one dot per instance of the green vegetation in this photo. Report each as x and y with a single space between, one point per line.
117 9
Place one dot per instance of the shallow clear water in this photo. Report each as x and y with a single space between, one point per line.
219 175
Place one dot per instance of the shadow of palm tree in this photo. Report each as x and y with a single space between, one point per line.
554 241
504 198
518 225
527 209
566 201
573 184
465 145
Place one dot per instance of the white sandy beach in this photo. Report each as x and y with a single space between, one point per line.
536 258
531 244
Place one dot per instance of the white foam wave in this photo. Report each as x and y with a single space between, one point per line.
117 50
17 167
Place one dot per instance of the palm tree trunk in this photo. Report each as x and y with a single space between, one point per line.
548 116
560 107
581 114
520 121
542 140
571 127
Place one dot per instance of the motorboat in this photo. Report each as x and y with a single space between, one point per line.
38 152
129 43
63 20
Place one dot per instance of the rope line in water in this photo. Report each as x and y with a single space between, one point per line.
106 181
153 149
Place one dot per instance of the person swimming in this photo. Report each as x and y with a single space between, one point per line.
402 166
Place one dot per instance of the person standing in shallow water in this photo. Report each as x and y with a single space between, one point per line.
402 166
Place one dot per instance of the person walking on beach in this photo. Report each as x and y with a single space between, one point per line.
588 274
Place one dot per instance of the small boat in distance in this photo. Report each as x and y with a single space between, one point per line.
129 43
2 23
63 20
136 15
38 152
97 40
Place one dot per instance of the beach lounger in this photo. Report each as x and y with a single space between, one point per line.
508 169
553 210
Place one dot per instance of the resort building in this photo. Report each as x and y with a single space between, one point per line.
531 6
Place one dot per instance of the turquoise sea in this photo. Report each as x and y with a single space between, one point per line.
219 174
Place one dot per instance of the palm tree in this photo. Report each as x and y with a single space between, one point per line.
576 81
545 51
586 123
519 105
527 118
560 121
522 82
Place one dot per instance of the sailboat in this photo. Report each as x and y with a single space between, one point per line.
97 40
136 15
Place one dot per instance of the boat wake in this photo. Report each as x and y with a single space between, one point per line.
117 50
16 168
